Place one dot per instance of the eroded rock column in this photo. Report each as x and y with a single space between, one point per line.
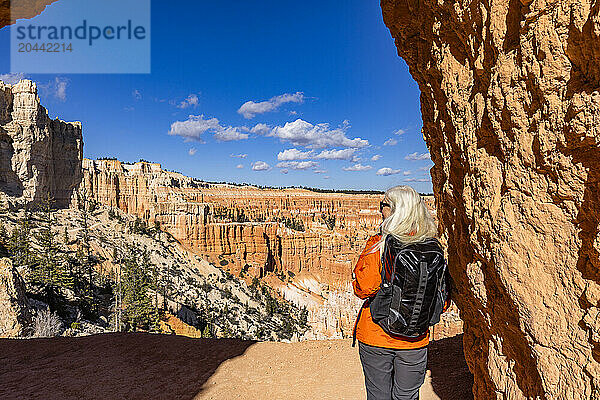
39 156
511 115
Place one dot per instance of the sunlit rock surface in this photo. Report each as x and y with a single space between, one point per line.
241 229
39 156
511 115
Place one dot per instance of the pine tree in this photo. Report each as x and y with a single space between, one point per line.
139 311
49 269
19 242
3 241
86 273
207 332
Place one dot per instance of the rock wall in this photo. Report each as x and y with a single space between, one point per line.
20 9
203 216
38 156
511 114
311 268
15 311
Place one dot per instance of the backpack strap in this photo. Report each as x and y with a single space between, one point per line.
420 294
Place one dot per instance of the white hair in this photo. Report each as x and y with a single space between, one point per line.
410 220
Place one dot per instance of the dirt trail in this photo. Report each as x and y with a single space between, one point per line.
318 370
146 366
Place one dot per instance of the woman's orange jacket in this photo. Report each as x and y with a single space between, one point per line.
366 281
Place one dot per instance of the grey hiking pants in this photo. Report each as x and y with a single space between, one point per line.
392 374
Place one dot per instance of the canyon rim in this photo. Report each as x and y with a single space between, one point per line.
511 113
300 243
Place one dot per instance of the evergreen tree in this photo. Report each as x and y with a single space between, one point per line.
139 311
49 270
19 242
85 274
3 241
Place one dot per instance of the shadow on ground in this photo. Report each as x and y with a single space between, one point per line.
450 376
111 366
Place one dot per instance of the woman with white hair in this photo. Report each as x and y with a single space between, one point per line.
394 364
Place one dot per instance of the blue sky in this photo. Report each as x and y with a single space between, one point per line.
270 93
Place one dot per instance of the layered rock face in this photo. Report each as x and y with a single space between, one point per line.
38 156
511 114
203 215
302 243
15 312
311 267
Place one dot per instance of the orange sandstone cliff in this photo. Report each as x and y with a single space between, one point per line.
511 115
300 242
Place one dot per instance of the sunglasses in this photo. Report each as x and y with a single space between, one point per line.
383 204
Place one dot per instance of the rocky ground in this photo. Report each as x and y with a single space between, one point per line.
148 366
196 291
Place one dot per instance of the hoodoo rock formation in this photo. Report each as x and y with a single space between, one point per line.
511 114
302 243
39 156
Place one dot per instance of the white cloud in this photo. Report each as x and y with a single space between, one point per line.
136 94
250 108
387 171
399 132
417 180
192 151
239 166
238 155
260 166
284 171
390 142
357 167
425 168
196 125
60 87
326 177
416 156
294 154
343 154
56 88
320 171
297 164
229 134
12 78
190 101
302 133
261 129
376 157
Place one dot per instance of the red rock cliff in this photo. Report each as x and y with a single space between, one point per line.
300 242
511 114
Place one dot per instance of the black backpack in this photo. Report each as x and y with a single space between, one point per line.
415 284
